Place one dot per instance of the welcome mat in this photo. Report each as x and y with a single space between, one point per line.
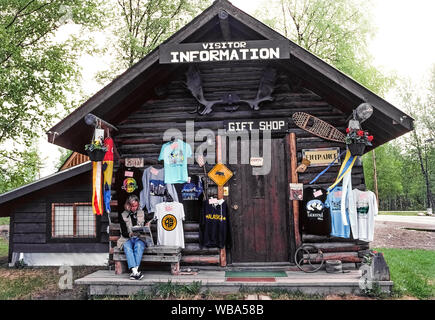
255 274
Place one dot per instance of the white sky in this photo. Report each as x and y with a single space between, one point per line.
404 43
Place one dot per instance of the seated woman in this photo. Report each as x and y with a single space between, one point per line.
133 243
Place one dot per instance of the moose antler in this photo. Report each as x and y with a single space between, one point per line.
265 89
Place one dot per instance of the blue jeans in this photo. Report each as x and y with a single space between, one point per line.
133 249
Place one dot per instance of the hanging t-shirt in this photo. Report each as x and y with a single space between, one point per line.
192 190
333 202
127 182
315 217
366 209
175 154
215 225
170 216
154 189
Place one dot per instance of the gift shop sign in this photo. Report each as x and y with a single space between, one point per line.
274 125
322 157
224 51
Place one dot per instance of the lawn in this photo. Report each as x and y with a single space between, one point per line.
412 271
401 213
4 221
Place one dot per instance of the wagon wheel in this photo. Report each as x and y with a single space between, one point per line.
306 264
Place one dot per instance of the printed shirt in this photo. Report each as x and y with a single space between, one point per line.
333 202
315 217
170 216
174 155
367 209
155 189
215 225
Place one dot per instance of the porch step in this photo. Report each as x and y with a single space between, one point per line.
106 282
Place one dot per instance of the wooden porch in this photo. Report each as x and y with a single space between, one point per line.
106 282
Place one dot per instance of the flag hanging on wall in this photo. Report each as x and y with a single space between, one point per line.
97 184
107 173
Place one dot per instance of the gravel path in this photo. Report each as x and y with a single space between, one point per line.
392 234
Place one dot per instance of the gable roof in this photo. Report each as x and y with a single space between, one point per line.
44 182
115 100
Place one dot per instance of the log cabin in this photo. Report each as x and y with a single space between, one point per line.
154 95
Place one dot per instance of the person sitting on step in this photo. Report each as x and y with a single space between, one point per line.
133 242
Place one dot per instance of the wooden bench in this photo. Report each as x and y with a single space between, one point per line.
167 254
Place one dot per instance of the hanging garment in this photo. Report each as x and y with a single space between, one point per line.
333 202
366 209
108 173
170 216
215 225
348 209
315 216
97 186
154 189
193 189
175 154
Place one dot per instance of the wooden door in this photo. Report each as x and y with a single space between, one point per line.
259 211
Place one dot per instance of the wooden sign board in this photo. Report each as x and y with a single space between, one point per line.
134 162
220 174
322 156
274 125
224 51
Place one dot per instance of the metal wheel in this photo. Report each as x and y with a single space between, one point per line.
308 263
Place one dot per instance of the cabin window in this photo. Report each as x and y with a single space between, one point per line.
73 220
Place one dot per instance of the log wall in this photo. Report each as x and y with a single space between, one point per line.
141 133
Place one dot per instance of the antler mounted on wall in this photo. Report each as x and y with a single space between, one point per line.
265 89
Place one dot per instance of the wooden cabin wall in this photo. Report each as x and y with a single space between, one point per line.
31 220
141 134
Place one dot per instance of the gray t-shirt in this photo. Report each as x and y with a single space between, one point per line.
154 188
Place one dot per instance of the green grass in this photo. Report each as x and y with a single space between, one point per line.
4 221
401 213
412 271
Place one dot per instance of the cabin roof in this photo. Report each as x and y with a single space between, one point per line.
115 101
44 182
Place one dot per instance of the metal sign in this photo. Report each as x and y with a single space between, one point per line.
220 174
224 51
274 125
322 156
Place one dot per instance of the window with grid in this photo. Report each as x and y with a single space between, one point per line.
73 220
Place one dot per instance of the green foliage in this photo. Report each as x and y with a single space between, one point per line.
4 221
64 155
412 271
38 74
4 247
17 173
142 25
337 31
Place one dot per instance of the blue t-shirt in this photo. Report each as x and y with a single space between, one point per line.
333 202
175 154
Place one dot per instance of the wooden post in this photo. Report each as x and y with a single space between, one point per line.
291 140
223 253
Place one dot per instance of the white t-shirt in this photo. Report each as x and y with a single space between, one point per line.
170 216
367 209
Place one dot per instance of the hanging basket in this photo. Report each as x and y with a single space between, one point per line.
96 155
356 149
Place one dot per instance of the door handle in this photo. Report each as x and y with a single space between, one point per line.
235 206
